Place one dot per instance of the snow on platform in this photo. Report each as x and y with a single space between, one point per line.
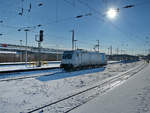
23 63
133 96
10 66
29 66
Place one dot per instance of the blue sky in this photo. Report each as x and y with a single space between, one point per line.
127 31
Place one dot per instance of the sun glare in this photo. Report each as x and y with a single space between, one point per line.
111 13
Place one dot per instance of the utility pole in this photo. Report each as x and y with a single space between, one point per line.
39 47
98 44
110 50
20 51
57 52
72 39
26 29
117 51
26 59
79 16
75 44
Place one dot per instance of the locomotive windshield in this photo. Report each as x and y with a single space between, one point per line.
67 56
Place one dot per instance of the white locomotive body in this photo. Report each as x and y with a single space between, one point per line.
79 59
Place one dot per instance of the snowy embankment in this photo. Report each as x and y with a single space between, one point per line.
22 95
131 97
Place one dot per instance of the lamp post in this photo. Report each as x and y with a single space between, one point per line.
27 29
78 17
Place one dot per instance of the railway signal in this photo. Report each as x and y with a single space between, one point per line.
41 35
28 29
39 46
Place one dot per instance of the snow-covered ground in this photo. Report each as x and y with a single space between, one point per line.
24 95
131 97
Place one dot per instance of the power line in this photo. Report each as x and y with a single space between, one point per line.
116 27
67 19
102 17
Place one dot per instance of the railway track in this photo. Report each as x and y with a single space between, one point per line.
84 95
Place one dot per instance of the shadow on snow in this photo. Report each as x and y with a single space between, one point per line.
61 75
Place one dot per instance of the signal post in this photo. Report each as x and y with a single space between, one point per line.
39 47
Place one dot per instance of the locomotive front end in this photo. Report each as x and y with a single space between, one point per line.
66 61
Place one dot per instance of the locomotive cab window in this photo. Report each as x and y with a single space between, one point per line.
67 56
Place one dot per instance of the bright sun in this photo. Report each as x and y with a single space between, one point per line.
111 13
